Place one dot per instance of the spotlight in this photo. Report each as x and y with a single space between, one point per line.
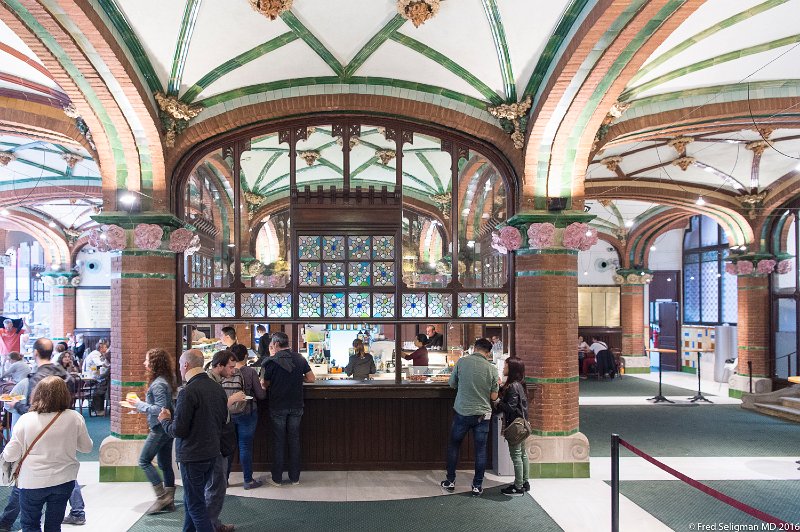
4 212
628 223
742 248
231 245
471 244
700 201
691 278
127 199
669 279
585 273
52 224
653 247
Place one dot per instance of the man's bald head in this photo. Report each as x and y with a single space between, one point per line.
43 347
192 358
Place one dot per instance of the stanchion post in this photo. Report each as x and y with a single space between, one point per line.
750 373
615 483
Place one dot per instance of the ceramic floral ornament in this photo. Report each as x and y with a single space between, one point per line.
541 235
116 238
147 236
507 239
180 240
730 268
194 246
744 267
784 266
765 266
97 241
579 236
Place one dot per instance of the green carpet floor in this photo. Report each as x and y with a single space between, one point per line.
707 430
682 507
493 511
99 428
627 386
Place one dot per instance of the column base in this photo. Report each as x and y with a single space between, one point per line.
739 385
636 364
558 456
119 460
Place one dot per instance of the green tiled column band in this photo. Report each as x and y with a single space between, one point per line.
551 380
554 433
147 253
633 335
545 273
753 348
559 470
129 436
548 251
128 383
631 371
743 288
122 474
755 375
162 276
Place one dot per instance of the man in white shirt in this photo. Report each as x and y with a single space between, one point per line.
96 360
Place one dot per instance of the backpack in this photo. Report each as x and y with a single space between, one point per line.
231 385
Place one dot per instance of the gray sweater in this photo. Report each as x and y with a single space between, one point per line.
360 368
17 371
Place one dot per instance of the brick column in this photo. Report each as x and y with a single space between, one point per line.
632 319
62 304
753 336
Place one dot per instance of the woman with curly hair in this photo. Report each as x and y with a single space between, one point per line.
161 383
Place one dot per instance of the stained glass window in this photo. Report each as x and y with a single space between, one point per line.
383 273
383 248
279 305
709 294
469 305
413 305
252 305
309 306
383 305
222 305
333 247
333 274
359 274
195 305
359 247
709 287
359 306
308 247
440 305
333 305
495 305
309 273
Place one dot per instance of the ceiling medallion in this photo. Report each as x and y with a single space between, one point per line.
612 163
385 155
750 202
443 201
679 144
175 116
513 112
354 141
71 159
7 157
418 11
758 147
309 156
684 162
271 9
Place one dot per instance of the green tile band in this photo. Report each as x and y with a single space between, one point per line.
753 348
129 436
755 376
373 44
188 24
501 46
147 253
313 42
546 273
553 380
160 276
537 432
548 251
135 384
633 335
744 288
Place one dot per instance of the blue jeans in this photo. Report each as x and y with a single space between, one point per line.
158 445
286 429
215 490
76 505
245 431
195 476
54 501
11 511
480 434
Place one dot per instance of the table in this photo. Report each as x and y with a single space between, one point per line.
660 397
699 395
794 379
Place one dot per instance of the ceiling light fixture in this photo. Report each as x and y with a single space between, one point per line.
629 223
52 224
669 279
700 201
653 247
471 244
4 212
127 199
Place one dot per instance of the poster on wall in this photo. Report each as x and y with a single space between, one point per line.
93 308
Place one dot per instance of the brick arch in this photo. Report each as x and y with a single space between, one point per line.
35 194
52 241
641 237
675 224
40 122
618 246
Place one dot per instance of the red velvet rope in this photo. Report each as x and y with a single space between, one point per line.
755 512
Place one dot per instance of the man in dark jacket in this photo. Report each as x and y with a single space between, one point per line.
200 412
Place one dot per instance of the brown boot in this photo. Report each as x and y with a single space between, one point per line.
162 501
171 498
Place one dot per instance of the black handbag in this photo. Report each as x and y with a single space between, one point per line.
227 443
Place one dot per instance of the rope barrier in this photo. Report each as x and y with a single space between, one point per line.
754 512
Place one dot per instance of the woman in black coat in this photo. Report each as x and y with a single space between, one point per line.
513 403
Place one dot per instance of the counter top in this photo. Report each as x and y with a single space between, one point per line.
343 388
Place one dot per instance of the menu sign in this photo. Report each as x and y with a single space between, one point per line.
93 308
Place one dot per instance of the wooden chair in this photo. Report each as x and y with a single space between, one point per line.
84 390
5 418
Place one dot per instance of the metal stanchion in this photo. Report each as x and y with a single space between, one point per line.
615 483
750 373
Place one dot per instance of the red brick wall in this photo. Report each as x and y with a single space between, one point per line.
632 319
62 312
753 325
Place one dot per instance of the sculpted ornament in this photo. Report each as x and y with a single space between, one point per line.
514 113
175 115
271 9
418 11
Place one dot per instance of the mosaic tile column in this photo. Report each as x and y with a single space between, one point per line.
62 303
632 319
753 336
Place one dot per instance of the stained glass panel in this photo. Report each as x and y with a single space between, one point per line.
309 306
359 247
358 305
709 288
359 274
730 298
333 247
383 305
469 305
252 305
279 305
333 305
383 273
222 305
440 305
333 274
195 305
495 305
383 248
308 247
413 305
691 291
309 273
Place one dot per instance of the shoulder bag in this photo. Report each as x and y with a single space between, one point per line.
518 430
9 471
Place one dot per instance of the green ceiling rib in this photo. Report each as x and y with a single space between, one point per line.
325 162
374 43
77 180
553 44
130 39
431 170
369 162
240 60
706 33
500 44
449 64
263 173
708 63
790 86
615 211
182 46
311 40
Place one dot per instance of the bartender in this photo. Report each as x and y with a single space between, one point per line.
435 339
420 356
361 364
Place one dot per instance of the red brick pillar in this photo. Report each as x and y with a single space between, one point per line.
753 336
2 287
62 306
632 319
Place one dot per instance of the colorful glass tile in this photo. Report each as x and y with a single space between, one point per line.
333 305
279 305
469 305
440 305
195 305
413 305
333 274
223 305
333 247
359 274
383 305
252 305
358 305
383 248
359 247
309 306
495 305
310 273
308 247
383 273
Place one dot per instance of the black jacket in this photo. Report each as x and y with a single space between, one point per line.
45 370
514 402
201 411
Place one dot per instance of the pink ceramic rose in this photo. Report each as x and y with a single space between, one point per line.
784 266
579 236
511 238
193 247
115 237
744 267
730 268
765 266
497 243
147 236
180 239
97 241
541 235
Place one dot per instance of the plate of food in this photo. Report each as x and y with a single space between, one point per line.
8 398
